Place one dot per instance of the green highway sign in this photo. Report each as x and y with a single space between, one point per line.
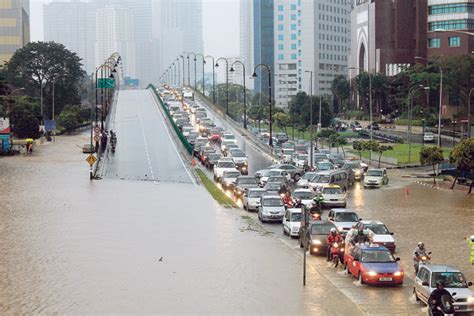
106 83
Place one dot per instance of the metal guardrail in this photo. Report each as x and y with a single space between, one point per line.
382 136
184 141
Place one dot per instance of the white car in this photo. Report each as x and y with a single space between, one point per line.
229 137
271 209
223 165
225 143
292 222
305 179
238 156
301 159
229 178
374 178
273 173
344 219
378 233
332 195
287 155
428 137
306 196
252 197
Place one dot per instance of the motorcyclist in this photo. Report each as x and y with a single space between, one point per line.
315 210
333 237
287 199
419 252
282 190
360 238
298 204
435 298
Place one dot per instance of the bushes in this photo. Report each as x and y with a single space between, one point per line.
72 117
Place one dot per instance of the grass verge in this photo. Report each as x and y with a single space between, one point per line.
215 192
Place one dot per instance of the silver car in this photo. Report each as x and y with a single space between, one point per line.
271 209
252 197
454 280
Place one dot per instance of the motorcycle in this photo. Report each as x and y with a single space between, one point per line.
425 259
337 253
446 308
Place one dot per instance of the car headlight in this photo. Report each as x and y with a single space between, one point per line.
316 242
398 273
357 172
372 273
470 300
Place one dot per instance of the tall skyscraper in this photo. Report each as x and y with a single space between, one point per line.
325 43
263 41
179 28
14 27
246 34
72 24
287 47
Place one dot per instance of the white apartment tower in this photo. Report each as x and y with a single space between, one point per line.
287 48
246 34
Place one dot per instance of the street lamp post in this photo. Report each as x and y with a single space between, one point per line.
213 79
10 101
311 153
440 96
270 141
370 101
469 114
189 72
226 82
182 57
245 93
203 63
179 71
454 122
411 94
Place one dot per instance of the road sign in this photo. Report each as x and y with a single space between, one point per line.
97 129
49 125
106 83
91 159
96 138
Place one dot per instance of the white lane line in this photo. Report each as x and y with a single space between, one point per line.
171 140
150 167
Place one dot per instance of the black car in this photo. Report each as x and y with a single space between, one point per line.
281 138
314 237
211 160
243 184
375 127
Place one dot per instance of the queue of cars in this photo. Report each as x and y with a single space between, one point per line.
372 263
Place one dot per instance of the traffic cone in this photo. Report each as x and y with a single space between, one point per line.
193 162
407 191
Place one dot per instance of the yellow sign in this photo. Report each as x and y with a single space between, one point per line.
91 159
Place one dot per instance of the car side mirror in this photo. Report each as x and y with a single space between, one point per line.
397 259
469 283
424 283
429 253
392 233
359 220
453 294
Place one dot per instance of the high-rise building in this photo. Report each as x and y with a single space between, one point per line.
325 42
114 34
445 18
246 34
72 24
263 42
14 27
178 25
287 48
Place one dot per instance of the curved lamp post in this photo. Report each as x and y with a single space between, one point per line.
245 93
270 141
226 82
213 78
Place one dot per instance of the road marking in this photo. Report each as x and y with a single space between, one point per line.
172 141
150 167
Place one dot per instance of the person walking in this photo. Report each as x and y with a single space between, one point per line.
470 240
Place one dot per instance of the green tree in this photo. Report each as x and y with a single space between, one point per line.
282 120
47 62
359 146
340 89
431 156
463 155
336 140
24 117
381 149
300 110
72 117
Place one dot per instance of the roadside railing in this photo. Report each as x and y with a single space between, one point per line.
184 141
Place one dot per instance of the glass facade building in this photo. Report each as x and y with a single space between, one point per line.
14 27
263 42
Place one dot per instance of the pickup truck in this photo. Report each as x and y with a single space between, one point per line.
222 165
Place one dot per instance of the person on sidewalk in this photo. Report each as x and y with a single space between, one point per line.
470 240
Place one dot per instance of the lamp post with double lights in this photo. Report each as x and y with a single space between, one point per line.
311 116
194 58
213 79
182 57
440 95
203 63
179 71
245 93
411 94
370 101
469 113
270 141
226 82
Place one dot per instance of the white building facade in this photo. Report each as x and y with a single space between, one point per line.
246 34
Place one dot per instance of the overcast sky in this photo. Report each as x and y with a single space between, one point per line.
220 23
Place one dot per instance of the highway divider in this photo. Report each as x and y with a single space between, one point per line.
184 141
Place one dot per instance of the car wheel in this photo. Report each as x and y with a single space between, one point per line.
308 246
245 207
215 179
297 177
417 299
361 281
284 231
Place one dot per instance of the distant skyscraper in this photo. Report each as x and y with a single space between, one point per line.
14 27
179 29
263 32
72 24
246 34
114 34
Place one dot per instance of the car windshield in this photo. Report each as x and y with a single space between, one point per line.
276 179
375 173
452 279
346 217
231 174
272 202
225 164
332 191
309 175
377 256
238 154
256 194
272 173
295 217
321 229
303 195
214 156
229 136
247 181
232 145
288 151
321 179
324 166
353 165
272 186
303 157
378 229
